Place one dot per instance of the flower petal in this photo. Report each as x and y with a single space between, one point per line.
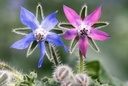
28 18
72 16
98 35
70 34
24 42
49 22
93 17
42 53
56 40
83 45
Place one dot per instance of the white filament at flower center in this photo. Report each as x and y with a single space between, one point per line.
40 34
83 30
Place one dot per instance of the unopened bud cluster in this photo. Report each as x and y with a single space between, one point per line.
64 75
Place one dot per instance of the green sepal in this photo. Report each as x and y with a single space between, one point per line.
57 31
65 25
39 12
100 24
31 48
49 82
83 12
93 45
48 51
22 31
73 44
29 80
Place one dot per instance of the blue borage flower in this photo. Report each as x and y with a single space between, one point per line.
40 32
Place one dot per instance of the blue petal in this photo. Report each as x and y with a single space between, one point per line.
24 42
49 22
28 19
56 40
42 53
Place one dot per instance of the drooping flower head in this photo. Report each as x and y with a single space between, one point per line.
40 32
83 29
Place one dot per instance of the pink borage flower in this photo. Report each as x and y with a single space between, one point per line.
83 28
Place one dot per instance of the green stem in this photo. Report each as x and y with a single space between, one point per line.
81 62
17 77
56 62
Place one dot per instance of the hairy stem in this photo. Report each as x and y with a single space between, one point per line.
15 73
56 62
81 62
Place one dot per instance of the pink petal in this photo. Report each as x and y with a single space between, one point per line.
83 45
93 17
98 35
70 34
72 16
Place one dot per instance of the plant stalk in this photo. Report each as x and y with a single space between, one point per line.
56 62
81 62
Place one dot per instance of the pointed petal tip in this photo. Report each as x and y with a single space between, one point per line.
56 11
39 66
99 7
22 8
65 7
66 49
108 36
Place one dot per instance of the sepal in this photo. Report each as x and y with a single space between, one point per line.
22 31
65 25
31 48
93 45
100 24
83 11
73 44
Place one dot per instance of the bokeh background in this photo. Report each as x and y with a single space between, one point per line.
113 52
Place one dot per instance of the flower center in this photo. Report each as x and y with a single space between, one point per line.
40 34
83 30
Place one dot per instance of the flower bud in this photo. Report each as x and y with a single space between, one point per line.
81 79
67 83
62 73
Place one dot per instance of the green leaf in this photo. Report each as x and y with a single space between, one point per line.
73 44
83 12
22 31
99 25
96 71
31 48
104 77
93 44
65 25
92 69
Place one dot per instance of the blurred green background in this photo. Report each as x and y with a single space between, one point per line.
113 52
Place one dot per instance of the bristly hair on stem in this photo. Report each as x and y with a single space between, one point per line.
15 74
81 62
54 55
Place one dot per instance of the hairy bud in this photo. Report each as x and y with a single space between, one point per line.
81 79
62 73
